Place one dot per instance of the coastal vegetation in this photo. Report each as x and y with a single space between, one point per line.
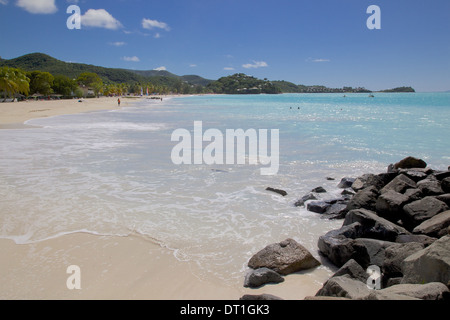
243 84
38 74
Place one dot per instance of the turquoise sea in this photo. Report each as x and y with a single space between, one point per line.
111 173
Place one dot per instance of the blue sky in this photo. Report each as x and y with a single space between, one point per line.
303 41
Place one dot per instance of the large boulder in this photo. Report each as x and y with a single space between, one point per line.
344 286
337 210
430 187
368 180
318 206
410 162
257 278
374 226
420 238
431 264
365 198
285 257
339 247
375 251
415 174
437 226
354 270
444 198
418 211
344 244
346 183
390 205
394 256
399 184
445 185
429 291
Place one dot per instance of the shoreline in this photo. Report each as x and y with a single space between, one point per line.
15 115
120 268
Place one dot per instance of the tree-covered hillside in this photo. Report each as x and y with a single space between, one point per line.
240 83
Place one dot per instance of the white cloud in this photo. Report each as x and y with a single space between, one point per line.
255 65
37 6
117 44
193 65
131 59
100 19
228 68
151 24
160 69
5 2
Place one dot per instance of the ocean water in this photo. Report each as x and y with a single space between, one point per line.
111 173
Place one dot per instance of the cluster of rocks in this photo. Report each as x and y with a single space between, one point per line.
277 260
398 221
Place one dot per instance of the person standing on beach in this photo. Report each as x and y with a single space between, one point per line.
118 102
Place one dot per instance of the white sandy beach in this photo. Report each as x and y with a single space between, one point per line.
111 267
15 114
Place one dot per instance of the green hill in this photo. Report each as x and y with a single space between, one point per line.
43 62
240 83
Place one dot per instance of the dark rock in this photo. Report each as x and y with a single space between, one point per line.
368 180
394 256
319 190
365 199
430 187
285 257
346 183
338 245
281 192
423 239
410 162
345 287
337 211
257 278
442 175
347 192
375 251
414 175
399 184
259 297
387 177
390 205
373 226
330 179
428 291
413 194
445 185
418 211
380 295
435 226
305 198
318 206
444 198
393 281
353 270
431 264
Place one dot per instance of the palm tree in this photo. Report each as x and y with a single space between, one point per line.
13 81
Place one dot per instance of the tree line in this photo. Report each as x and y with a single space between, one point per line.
15 82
